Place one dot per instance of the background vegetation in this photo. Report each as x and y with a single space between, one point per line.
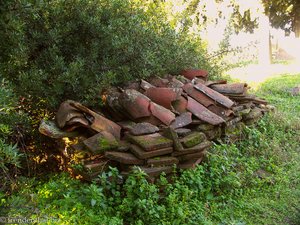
255 181
57 50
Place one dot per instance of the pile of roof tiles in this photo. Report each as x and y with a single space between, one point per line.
157 124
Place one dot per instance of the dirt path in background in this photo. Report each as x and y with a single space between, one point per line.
255 74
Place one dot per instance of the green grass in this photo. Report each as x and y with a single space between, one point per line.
255 181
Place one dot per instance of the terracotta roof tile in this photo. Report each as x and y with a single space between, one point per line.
164 96
203 113
221 99
192 73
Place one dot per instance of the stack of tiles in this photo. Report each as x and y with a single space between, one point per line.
159 125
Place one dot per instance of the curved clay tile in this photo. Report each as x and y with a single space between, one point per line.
192 73
99 123
223 100
180 105
198 95
161 113
135 103
203 113
164 96
65 113
212 82
231 89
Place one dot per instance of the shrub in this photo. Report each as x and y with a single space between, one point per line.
12 123
11 119
57 50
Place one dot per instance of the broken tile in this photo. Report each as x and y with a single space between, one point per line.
192 73
230 89
161 113
220 111
65 113
244 112
135 85
163 96
175 83
248 98
182 132
170 133
159 82
235 132
183 79
205 127
50 129
145 85
124 157
77 122
100 123
182 120
99 166
198 95
135 103
197 80
197 122
162 161
111 99
101 142
221 99
150 119
212 82
238 108
180 105
254 113
150 142
233 121
253 121
92 169
198 148
203 113
123 146
143 128
142 154
78 146
193 139
126 125
213 134
190 164
187 157
270 107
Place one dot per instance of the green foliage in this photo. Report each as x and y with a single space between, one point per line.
284 14
278 91
57 50
255 181
10 161
9 155
233 186
11 122
10 117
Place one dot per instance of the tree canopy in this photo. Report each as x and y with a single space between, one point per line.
284 14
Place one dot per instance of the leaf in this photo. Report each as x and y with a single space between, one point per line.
93 202
209 196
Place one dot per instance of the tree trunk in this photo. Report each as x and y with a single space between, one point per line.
297 25
265 51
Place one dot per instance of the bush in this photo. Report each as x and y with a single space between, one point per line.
12 123
12 120
57 50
